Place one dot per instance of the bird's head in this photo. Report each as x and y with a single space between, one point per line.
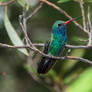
58 24
62 24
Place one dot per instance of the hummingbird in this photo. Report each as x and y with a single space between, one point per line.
55 46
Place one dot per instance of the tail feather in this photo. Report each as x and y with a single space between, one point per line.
45 65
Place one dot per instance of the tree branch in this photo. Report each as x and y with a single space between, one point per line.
41 45
46 55
83 14
80 59
7 3
90 28
35 11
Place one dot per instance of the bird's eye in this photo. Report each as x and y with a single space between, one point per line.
59 25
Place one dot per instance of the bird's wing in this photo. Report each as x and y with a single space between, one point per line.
46 47
56 47
51 36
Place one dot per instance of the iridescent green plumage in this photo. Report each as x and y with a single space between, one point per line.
55 46
58 38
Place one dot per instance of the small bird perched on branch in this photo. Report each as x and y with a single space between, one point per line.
55 46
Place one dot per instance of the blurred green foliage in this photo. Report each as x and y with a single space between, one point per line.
64 1
66 76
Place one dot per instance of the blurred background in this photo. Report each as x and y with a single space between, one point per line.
66 76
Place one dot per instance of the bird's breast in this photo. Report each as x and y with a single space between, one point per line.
55 48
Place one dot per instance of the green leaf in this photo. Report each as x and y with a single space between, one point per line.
88 1
21 2
63 1
3 0
15 39
85 1
52 74
83 83
30 69
24 3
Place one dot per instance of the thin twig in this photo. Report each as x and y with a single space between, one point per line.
10 46
41 45
24 28
83 14
68 46
78 47
80 59
35 11
81 40
90 28
89 19
65 13
7 3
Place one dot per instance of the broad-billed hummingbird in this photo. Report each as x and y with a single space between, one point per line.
55 46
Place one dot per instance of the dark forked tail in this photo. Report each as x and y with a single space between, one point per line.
46 63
